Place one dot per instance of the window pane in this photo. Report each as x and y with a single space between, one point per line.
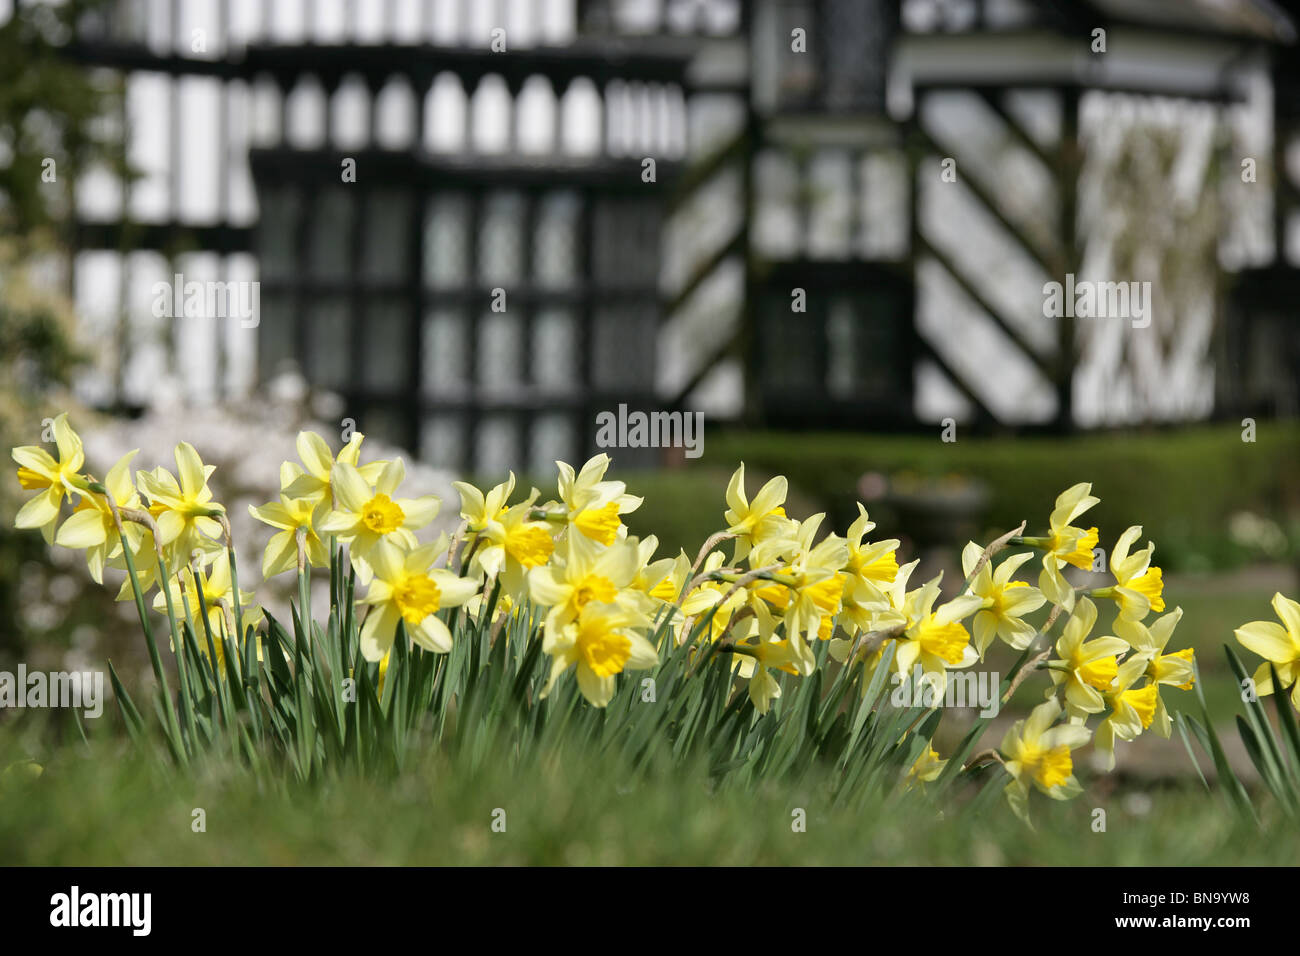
331 233
328 348
500 352
556 247
446 234
275 232
385 347
385 239
555 350
446 361
500 246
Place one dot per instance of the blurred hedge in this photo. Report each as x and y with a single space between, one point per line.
1183 486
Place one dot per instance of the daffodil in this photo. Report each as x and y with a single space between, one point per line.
926 768
809 588
1005 602
1086 668
1278 645
1131 710
588 572
314 480
761 520
1037 754
1177 669
934 638
508 539
753 660
407 588
1138 584
1066 544
183 509
600 643
92 527
717 600
295 517
661 580
52 479
593 505
364 514
893 618
871 567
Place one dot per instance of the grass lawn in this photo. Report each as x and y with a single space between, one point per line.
106 807
100 804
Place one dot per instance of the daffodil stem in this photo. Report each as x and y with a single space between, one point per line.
155 660
187 705
994 547
871 640
1020 675
705 550
234 581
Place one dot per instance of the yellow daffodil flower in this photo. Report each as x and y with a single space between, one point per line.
52 479
1066 544
509 540
1005 601
935 638
314 480
1087 668
710 599
588 572
1279 645
762 520
406 587
1138 584
92 527
601 642
661 580
871 567
893 617
809 588
219 595
183 509
593 505
293 516
926 768
364 514
1037 754
753 660
1131 710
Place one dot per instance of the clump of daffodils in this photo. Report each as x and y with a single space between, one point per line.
767 602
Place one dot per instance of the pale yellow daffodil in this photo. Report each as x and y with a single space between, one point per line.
1006 601
1278 645
1037 754
407 588
52 479
600 643
92 526
1086 668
